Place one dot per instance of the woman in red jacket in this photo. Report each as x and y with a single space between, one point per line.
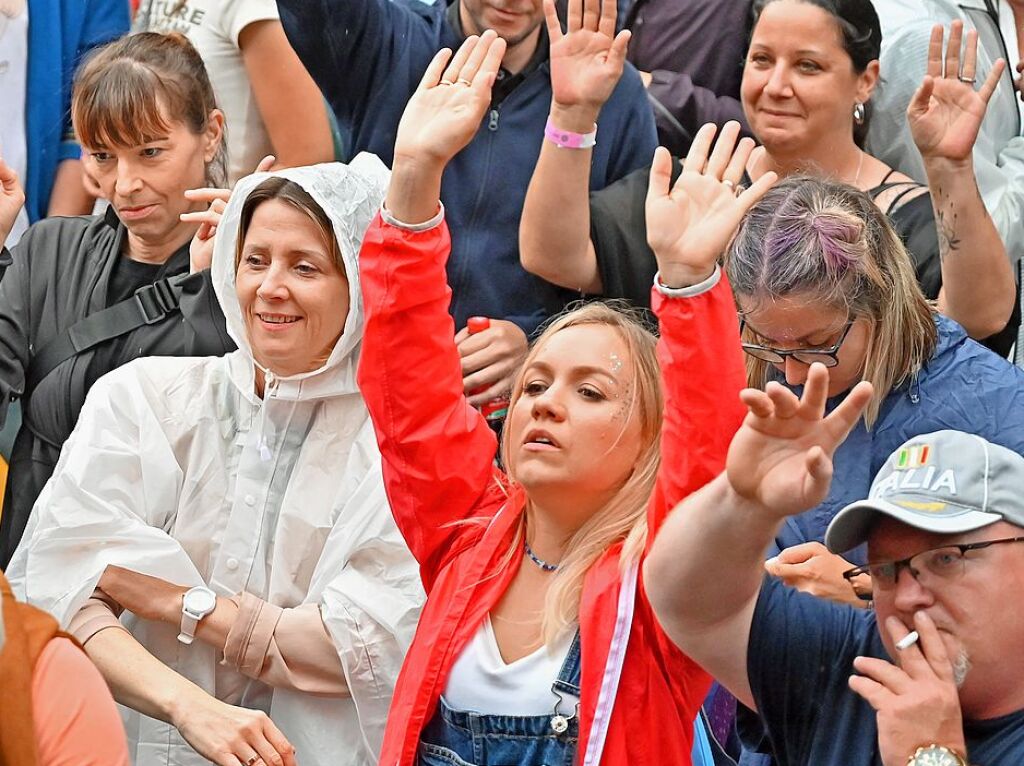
537 644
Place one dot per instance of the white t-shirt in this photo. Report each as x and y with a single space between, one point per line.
213 27
13 78
482 682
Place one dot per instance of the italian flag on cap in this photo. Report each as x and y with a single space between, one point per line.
912 457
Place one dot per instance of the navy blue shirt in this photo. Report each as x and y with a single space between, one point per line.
799 658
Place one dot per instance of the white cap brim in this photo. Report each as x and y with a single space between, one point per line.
851 526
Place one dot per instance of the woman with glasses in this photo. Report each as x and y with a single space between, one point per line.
820 275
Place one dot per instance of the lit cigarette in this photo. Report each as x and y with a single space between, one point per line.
908 640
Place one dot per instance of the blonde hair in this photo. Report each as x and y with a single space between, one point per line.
624 518
813 237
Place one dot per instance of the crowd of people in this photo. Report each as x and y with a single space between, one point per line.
520 382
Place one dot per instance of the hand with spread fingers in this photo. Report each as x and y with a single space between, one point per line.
12 199
201 250
587 60
946 112
916 698
781 457
445 112
690 225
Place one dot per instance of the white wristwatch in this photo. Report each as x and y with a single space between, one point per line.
196 604
936 755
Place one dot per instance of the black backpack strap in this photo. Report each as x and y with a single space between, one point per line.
148 305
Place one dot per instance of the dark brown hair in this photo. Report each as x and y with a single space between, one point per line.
124 94
289 192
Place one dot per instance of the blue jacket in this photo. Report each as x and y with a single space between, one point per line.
368 56
60 34
964 387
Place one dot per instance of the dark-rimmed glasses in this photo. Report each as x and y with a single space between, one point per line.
947 562
825 356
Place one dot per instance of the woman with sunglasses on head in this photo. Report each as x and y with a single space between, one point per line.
807 84
537 644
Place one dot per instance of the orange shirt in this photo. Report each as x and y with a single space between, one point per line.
76 720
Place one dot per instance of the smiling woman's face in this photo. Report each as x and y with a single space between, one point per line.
294 297
799 83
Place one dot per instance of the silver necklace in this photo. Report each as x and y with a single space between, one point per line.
537 559
860 165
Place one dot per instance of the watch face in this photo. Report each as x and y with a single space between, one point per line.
936 756
200 600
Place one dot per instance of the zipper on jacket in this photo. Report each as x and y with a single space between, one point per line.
269 386
492 121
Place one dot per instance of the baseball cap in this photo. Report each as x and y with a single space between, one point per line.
947 482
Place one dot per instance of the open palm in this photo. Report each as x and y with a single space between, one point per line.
586 61
946 112
781 457
445 112
690 225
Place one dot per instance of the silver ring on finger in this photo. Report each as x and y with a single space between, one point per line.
446 82
729 183
968 80
253 759
463 81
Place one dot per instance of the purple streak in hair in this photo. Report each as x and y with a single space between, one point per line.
837 238
780 240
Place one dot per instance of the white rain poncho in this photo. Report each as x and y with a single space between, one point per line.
178 470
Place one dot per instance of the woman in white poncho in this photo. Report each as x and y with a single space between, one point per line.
256 475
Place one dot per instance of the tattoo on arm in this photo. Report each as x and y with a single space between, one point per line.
946 224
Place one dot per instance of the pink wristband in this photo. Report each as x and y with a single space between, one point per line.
566 139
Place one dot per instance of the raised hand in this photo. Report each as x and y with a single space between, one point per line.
200 252
945 113
445 112
689 226
586 61
781 457
12 198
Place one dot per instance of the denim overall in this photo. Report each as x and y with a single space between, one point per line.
456 738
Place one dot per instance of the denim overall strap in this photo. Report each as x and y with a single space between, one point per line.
465 738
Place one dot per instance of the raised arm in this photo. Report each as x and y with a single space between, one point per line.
437 450
689 227
945 116
705 569
586 64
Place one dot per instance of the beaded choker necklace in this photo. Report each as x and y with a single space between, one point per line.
537 560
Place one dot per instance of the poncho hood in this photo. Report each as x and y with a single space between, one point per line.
351 196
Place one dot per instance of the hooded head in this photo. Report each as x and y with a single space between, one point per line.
283 279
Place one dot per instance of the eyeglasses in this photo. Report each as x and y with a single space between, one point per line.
825 356
936 564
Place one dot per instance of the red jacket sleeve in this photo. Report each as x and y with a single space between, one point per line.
702 373
437 450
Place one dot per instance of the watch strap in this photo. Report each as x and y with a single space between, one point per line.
189 623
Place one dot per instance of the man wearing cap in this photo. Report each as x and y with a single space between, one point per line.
836 685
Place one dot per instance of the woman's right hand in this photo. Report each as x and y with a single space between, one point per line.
229 735
781 457
12 199
445 112
690 225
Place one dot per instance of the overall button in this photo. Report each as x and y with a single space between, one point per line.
250 500
232 564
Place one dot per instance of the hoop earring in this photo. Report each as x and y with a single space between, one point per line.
858 113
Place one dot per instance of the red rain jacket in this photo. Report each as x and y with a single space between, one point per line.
640 694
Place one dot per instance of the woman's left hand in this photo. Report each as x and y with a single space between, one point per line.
812 568
200 252
145 596
946 112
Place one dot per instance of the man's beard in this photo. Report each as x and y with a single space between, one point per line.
961 667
